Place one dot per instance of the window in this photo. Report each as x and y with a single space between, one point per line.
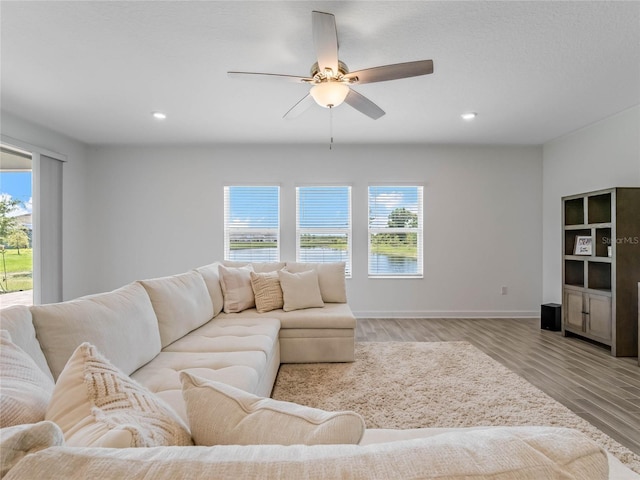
252 223
395 231
323 225
16 226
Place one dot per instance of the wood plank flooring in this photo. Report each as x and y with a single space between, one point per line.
602 389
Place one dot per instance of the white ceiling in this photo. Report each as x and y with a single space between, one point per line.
532 70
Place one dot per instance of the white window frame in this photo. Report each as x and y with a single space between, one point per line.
230 230
347 231
419 231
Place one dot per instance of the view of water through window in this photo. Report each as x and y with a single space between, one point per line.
323 227
384 263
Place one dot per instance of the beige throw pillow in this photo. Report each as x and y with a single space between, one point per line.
236 288
300 290
267 290
96 405
331 278
220 414
25 389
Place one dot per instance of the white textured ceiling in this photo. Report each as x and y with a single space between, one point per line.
532 70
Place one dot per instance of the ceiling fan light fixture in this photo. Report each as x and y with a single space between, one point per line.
330 79
329 94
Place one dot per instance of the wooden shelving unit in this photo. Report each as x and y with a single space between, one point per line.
600 297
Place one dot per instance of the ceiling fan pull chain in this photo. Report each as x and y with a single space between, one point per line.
331 126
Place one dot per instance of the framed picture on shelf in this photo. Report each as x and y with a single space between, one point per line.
583 246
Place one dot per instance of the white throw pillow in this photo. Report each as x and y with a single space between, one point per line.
267 290
220 414
300 290
26 390
96 405
236 288
331 278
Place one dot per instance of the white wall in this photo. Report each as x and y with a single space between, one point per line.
159 211
603 155
74 275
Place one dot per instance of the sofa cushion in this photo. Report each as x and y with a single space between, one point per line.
220 414
236 288
121 323
231 335
95 404
181 302
332 315
211 278
18 441
513 453
25 389
267 290
300 290
331 278
259 267
253 371
17 320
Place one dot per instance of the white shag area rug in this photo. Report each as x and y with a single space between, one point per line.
431 384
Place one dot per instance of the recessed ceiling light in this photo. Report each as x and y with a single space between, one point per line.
469 116
159 115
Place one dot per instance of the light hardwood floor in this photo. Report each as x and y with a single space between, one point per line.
600 388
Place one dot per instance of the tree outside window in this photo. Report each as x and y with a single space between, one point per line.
395 231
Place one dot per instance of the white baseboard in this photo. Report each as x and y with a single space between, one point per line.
447 314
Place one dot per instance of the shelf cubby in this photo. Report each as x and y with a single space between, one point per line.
574 273
574 211
570 239
599 276
599 208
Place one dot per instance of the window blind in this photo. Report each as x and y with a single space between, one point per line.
395 231
252 223
323 225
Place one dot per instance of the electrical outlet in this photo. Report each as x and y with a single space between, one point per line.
503 291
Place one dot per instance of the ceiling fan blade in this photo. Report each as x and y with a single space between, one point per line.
363 104
299 107
325 40
270 76
392 72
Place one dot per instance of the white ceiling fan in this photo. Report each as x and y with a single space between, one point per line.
330 78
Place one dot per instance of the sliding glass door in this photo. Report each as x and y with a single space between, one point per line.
30 225
16 227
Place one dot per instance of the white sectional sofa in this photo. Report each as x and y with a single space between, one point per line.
152 330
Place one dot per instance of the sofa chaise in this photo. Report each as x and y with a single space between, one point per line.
202 330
